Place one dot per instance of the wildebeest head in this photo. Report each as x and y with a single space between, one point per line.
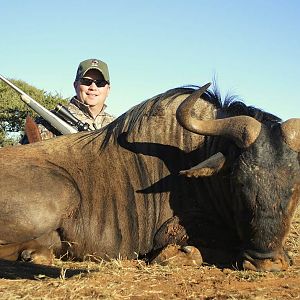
264 180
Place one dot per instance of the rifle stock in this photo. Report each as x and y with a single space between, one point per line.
59 124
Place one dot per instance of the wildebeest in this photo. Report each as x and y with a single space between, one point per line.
226 177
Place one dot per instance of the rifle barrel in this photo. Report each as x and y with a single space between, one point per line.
12 85
62 126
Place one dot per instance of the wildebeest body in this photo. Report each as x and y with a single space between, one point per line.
90 193
108 193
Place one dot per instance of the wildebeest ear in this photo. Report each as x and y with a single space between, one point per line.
32 131
206 168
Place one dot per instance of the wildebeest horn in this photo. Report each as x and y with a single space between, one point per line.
291 133
242 129
206 168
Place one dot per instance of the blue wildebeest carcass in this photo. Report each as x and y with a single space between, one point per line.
181 168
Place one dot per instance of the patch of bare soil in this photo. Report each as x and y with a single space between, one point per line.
124 279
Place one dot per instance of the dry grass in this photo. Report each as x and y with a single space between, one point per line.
125 279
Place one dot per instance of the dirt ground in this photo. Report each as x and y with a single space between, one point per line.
123 279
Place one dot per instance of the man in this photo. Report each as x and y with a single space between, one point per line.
92 87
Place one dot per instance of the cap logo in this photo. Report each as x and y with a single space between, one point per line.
95 63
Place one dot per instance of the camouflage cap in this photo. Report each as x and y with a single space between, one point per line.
89 64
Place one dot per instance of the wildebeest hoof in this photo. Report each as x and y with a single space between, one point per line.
42 256
26 255
176 255
271 265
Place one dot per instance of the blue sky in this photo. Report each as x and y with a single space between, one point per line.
251 47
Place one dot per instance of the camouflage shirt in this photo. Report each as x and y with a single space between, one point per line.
80 111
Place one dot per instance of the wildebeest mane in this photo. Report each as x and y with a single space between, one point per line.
232 105
235 107
132 118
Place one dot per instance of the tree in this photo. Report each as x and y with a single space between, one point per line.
5 141
13 111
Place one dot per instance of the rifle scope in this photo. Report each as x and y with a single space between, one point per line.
66 115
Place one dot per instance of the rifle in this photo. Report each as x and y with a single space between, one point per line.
61 121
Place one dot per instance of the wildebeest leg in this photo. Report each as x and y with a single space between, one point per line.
170 246
171 232
34 202
40 250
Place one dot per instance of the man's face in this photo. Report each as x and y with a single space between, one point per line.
91 94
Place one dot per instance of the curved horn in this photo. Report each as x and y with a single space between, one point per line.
290 130
183 113
244 130
209 167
